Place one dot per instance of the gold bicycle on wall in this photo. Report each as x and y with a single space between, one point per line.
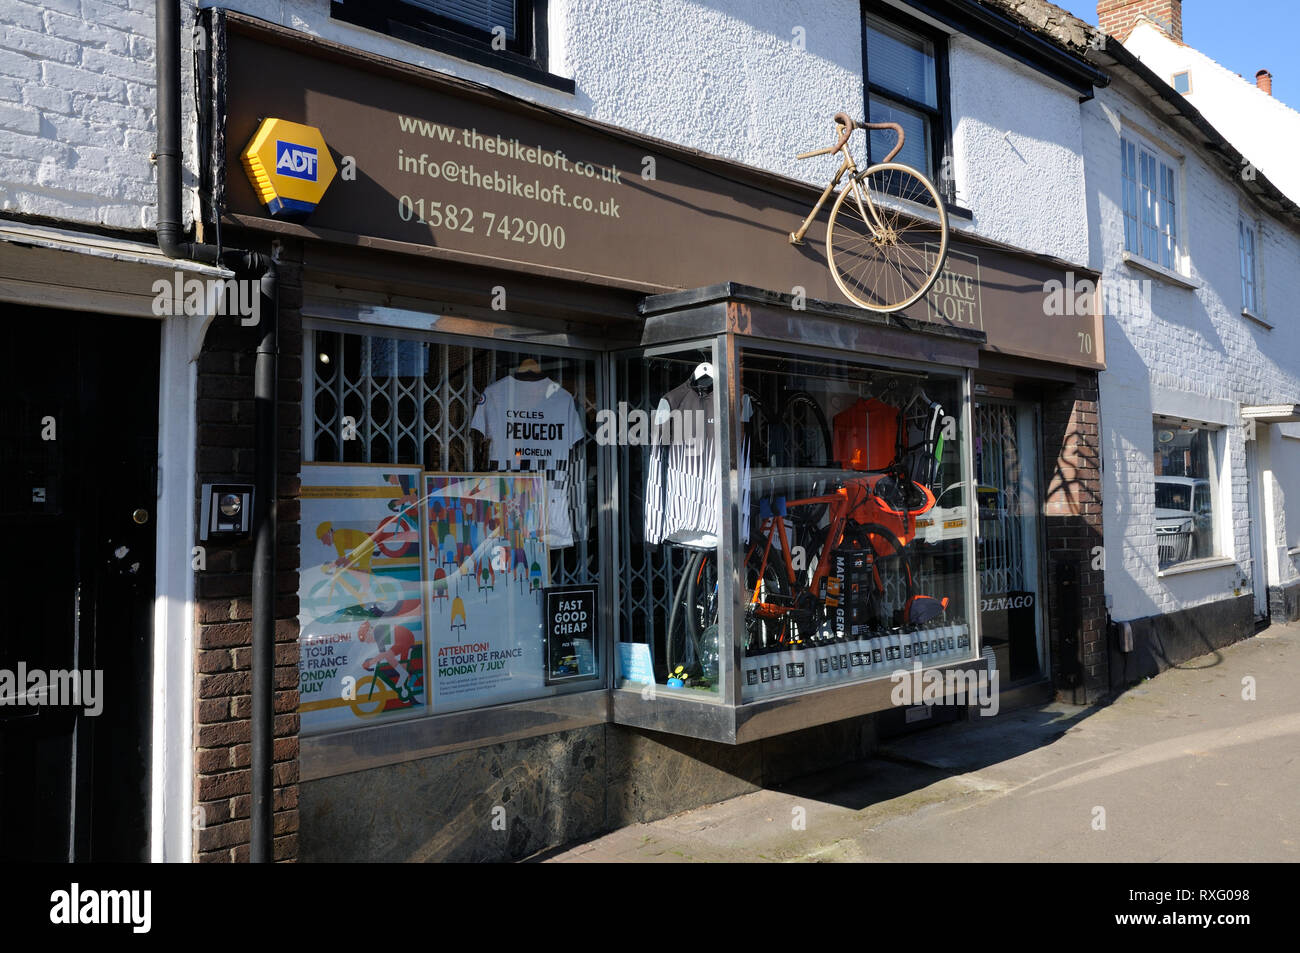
888 231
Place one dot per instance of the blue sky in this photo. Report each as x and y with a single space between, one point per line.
1243 35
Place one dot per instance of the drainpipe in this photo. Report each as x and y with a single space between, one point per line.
247 265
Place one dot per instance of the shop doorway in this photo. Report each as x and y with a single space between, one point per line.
78 486
1007 538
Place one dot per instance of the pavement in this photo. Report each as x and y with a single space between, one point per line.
1181 767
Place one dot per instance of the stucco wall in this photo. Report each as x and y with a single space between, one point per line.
1017 146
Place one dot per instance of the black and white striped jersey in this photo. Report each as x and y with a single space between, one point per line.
683 498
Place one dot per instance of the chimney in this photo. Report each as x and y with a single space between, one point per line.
1264 80
1116 17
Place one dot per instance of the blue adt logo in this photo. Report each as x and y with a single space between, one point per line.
295 160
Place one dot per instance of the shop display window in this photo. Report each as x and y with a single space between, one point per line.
449 556
849 572
783 518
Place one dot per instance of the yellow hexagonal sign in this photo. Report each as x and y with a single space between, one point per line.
289 165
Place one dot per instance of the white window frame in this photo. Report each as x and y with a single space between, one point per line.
1248 266
1220 479
1150 201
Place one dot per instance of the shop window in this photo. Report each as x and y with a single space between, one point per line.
1150 196
1249 267
1186 479
448 519
508 35
827 476
907 83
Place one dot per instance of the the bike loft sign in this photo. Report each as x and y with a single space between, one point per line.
957 295
444 169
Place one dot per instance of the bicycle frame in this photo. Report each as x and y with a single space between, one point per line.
848 125
840 504
838 509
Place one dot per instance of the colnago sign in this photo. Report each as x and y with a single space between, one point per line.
1020 600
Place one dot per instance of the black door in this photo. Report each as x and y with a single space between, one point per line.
78 486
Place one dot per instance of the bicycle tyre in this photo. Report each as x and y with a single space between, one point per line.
809 447
701 595
802 417
868 533
391 528
678 607
377 696
875 272
777 588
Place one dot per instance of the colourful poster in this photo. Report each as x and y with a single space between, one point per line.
362 643
486 568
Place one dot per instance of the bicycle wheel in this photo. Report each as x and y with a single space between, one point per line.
808 436
773 589
394 537
371 696
806 439
901 604
702 593
681 637
883 256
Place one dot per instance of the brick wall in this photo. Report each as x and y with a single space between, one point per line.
1073 525
1116 17
223 606
77 110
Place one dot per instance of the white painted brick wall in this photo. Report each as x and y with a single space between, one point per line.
1195 343
77 110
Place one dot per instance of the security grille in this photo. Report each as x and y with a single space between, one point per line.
648 574
998 463
377 399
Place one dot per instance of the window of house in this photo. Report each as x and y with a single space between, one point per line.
1249 266
509 35
1182 82
1185 491
907 83
1150 203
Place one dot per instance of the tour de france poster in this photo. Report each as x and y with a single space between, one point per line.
486 568
362 645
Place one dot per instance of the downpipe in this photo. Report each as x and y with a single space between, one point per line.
247 265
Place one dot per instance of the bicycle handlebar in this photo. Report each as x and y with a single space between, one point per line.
849 124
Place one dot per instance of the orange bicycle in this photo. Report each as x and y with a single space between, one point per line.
789 562
874 515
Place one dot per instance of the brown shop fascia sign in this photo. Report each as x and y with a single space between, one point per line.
451 170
